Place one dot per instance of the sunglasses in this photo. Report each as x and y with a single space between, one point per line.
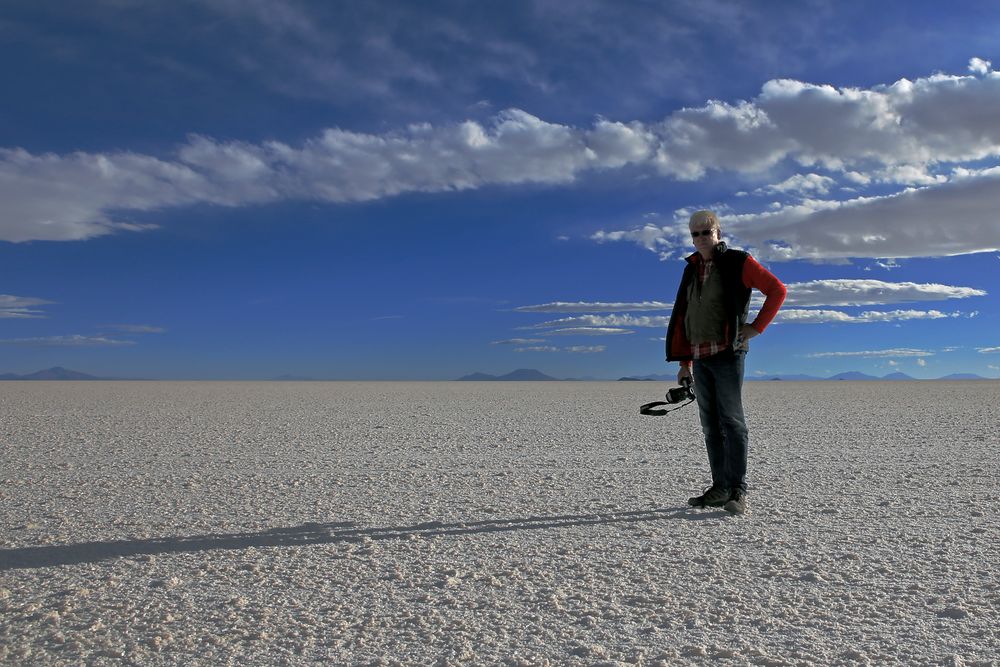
704 232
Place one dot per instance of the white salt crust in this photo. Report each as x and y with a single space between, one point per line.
456 523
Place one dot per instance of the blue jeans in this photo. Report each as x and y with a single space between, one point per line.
718 384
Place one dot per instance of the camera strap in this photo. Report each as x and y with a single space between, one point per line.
648 408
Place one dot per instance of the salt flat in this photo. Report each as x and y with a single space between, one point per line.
517 523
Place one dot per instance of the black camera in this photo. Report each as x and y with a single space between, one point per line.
685 392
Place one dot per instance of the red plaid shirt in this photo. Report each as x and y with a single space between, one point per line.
709 348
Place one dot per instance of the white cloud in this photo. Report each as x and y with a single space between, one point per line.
11 301
894 353
857 178
980 66
908 174
518 341
847 292
806 296
921 362
66 341
78 196
589 331
603 321
593 306
988 350
801 183
935 119
888 265
648 236
802 316
897 132
21 307
57 198
573 349
912 223
20 314
135 328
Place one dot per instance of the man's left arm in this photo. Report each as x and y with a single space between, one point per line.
757 277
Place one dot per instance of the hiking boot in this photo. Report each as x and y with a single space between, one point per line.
714 496
737 503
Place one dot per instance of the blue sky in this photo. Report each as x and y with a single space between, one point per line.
224 189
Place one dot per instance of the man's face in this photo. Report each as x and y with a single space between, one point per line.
706 239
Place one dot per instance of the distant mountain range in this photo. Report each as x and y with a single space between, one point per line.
522 375
530 374
856 376
54 373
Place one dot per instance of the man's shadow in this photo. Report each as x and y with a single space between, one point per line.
316 533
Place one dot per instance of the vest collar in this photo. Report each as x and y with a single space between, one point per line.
719 249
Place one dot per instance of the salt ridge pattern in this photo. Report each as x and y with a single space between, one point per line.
493 523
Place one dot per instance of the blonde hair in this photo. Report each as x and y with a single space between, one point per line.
704 217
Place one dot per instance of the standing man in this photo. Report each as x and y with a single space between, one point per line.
708 333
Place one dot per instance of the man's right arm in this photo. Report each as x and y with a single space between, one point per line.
684 372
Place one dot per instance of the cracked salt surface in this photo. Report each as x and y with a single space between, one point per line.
513 523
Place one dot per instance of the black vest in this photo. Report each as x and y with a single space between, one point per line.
729 263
